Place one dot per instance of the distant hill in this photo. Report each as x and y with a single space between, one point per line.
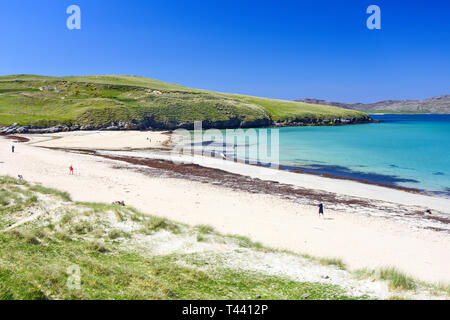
440 104
29 102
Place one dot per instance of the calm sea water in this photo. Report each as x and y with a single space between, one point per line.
405 150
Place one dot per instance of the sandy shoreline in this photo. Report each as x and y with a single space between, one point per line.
361 239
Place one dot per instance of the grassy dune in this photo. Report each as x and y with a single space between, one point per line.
100 100
124 254
43 233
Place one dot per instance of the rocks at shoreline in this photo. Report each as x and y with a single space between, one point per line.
233 123
324 122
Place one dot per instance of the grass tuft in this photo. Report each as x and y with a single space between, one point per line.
154 224
117 234
98 246
245 242
396 278
333 261
204 229
44 190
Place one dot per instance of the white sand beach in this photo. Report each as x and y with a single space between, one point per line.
103 140
362 241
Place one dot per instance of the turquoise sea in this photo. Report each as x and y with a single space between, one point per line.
404 150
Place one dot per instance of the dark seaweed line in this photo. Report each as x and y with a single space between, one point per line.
194 172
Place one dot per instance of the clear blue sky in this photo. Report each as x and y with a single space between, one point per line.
278 49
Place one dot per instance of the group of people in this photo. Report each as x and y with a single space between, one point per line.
71 172
20 177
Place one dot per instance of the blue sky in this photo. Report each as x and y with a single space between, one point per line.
278 49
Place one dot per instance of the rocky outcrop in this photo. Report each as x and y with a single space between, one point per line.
49 89
149 124
16 129
324 122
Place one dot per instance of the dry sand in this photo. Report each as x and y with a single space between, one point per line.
359 240
103 140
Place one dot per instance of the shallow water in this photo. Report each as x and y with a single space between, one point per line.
405 150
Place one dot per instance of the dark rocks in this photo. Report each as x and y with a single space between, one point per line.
15 129
260 123
151 124
23 129
10 129
89 127
112 128
322 122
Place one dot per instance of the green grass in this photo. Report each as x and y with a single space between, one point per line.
97 101
44 190
14 197
204 229
333 261
396 278
245 242
282 110
39 271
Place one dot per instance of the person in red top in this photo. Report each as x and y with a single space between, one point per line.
71 169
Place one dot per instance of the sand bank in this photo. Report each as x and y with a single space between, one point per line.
103 140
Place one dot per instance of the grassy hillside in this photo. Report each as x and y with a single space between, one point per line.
283 110
138 102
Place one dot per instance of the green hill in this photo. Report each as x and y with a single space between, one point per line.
129 102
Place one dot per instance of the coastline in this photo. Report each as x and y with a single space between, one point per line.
71 144
156 146
16 128
365 232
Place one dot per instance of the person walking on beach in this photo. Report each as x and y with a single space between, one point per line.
13 148
71 170
320 209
